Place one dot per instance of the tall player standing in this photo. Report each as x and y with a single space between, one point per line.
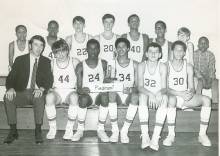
152 83
64 89
138 41
77 41
182 94
90 72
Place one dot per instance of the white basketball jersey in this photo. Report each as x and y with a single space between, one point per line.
64 78
177 80
17 52
48 50
152 81
92 76
137 48
125 75
78 50
165 51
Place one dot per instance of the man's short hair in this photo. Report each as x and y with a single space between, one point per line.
181 43
79 18
184 30
124 40
60 45
53 21
108 16
161 22
133 15
37 37
92 41
20 26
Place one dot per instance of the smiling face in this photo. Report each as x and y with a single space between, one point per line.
122 49
21 33
53 29
61 55
134 22
178 52
36 48
78 26
153 54
160 30
203 44
182 36
108 24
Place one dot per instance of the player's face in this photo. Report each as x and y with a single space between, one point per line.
182 36
160 30
134 23
93 51
108 24
53 29
78 26
203 44
153 54
178 52
122 49
21 33
36 48
61 55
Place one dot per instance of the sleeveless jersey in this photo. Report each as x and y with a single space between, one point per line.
48 50
64 78
17 52
92 76
165 51
137 48
125 75
78 50
152 82
177 80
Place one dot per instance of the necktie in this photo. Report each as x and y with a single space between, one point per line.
33 77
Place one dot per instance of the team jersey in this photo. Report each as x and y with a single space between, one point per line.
165 51
78 50
136 49
64 78
17 52
152 81
125 75
177 80
92 76
47 50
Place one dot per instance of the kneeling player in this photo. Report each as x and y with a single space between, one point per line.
126 73
89 72
152 76
182 94
63 90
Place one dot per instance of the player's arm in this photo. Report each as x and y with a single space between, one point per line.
190 48
79 76
190 76
163 74
146 42
11 54
107 78
75 62
170 54
69 41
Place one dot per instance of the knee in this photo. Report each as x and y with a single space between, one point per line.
206 101
73 99
112 97
104 99
164 101
50 99
172 101
84 100
134 99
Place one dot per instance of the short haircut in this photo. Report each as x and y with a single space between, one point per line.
184 30
161 22
37 37
124 40
60 45
79 18
205 38
53 21
181 43
133 15
108 16
92 41
155 45
20 26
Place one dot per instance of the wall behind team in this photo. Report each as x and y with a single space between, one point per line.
200 16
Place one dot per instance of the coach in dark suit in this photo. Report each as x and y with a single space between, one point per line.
27 83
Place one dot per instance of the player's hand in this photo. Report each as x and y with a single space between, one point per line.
126 90
38 93
108 80
159 98
152 101
10 94
187 95
84 90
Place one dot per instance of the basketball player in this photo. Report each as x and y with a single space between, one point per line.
152 83
160 31
126 73
137 40
53 29
18 47
89 72
64 89
77 41
107 41
182 93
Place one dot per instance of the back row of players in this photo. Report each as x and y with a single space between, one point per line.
135 61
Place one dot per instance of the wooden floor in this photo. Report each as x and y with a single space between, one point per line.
186 144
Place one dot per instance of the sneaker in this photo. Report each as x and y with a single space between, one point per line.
77 136
38 136
169 140
114 136
12 135
145 141
52 133
154 145
68 134
124 137
103 136
204 140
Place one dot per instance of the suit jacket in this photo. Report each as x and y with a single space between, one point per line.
19 75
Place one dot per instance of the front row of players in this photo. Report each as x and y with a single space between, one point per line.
150 84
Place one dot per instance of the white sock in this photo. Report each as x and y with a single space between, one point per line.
72 113
171 117
204 115
132 109
51 115
143 117
81 118
113 113
103 112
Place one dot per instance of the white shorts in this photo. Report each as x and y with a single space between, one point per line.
63 95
